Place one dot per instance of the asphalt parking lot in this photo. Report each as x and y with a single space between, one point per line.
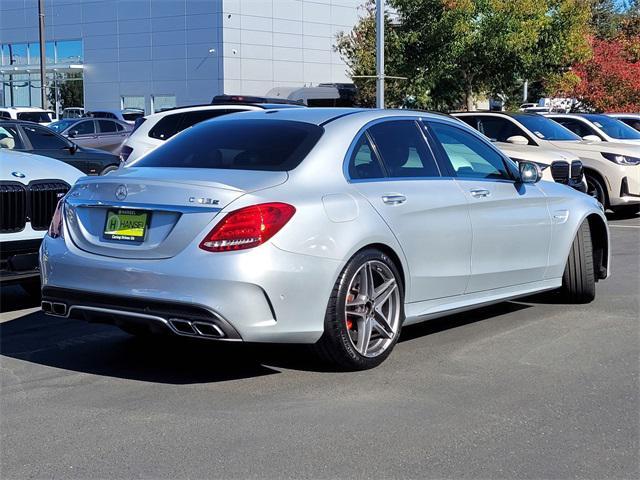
526 389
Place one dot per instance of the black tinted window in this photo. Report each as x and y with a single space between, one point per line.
579 128
42 138
274 145
106 126
101 115
469 156
84 128
168 126
5 114
499 129
364 162
37 117
403 149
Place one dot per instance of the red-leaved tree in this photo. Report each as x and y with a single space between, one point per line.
610 81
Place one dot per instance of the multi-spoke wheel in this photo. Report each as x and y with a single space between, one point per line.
365 312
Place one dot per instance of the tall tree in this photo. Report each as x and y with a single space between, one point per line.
451 50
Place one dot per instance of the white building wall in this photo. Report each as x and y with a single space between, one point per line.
270 43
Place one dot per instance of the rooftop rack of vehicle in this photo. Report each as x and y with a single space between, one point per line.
246 99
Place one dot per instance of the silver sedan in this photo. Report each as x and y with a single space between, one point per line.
332 227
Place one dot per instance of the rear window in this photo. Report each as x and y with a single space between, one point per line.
271 145
38 117
168 126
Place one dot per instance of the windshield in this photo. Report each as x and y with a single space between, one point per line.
546 129
271 145
38 117
62 125
614 127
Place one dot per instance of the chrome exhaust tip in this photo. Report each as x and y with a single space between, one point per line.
182 326
208 329
47 307
59 309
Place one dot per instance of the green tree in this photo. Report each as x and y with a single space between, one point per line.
70 91
451 50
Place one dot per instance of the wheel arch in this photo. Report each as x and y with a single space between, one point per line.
600 242
594 173
395 258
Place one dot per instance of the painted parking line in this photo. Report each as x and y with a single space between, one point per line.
624 226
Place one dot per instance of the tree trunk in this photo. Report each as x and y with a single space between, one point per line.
468 96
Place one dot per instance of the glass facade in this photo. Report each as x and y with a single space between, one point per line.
20 69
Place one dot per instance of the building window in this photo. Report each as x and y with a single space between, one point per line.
68 51
132 102
162 102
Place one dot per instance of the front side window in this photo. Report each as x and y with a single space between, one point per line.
545 128
469 156
499 129
364 163
403 150
266 145
614 127
84 128
9 138
43 139
576 126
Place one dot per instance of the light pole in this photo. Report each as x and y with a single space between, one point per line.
43 78
379 53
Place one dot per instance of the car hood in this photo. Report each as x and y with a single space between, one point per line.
536 154
605 147
96 151
26 167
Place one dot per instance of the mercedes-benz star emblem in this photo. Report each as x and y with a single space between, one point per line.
121 192
18 174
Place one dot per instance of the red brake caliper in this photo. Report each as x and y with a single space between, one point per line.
350 298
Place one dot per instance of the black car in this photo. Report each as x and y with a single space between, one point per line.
33 138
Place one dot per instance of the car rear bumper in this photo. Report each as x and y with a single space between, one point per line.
257 295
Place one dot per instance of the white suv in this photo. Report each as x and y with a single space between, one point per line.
30 188
30 114
612 170
152 131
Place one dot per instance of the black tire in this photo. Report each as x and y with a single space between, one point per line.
335 346
32 287
108 169
579 280
596 189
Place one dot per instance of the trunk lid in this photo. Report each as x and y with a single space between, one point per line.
179 202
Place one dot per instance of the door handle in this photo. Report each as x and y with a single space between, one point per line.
479 193
394 199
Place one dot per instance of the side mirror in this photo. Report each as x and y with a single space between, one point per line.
518 140
529 172
73 134
592 138
73 148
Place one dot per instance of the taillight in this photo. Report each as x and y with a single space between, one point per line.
247 227
55 228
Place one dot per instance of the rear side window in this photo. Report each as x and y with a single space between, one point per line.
168 126
364 162
403 150
271 145
576 126
107 126
4 114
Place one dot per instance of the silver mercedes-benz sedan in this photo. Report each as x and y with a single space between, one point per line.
333 227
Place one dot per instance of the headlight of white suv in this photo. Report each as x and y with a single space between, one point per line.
621 159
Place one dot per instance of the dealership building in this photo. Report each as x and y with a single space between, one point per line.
156 54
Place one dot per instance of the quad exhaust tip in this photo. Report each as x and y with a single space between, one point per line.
199 329
54 308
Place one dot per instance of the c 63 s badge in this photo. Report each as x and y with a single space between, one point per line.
204 201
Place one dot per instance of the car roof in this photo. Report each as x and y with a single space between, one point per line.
25 109
500 114
321 115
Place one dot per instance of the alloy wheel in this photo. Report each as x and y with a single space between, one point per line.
372 308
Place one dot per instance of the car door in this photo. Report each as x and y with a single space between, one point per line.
44 141
109 137
84 133
392 165
510 220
